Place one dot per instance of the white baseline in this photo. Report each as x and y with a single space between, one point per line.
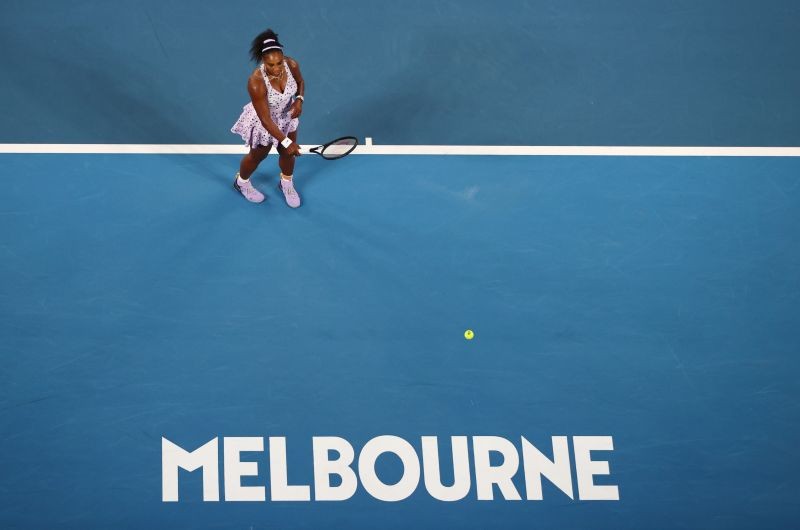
370 149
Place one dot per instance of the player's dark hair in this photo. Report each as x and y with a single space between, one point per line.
257 47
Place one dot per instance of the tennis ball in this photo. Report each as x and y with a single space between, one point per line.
469 334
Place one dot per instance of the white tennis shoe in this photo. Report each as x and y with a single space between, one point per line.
245 187
289 193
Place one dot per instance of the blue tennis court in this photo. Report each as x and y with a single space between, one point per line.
650 299
175 357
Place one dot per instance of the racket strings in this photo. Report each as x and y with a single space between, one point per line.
339 148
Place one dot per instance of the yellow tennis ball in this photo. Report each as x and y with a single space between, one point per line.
468 334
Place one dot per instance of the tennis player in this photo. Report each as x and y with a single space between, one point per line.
271 118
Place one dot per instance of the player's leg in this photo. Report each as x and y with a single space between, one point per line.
247 166
251 160
286 163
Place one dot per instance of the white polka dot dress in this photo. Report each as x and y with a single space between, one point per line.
249 127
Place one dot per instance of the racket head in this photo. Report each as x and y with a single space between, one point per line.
338 148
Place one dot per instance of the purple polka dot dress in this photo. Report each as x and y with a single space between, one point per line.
249 127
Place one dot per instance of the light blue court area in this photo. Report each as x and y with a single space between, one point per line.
652 301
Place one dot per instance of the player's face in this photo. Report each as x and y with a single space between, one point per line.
273 62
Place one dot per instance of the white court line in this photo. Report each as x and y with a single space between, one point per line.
371 149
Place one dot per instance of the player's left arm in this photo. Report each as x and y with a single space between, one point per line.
297 106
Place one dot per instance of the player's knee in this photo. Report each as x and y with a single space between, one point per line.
259 156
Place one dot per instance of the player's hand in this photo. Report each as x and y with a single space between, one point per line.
293 149
296 109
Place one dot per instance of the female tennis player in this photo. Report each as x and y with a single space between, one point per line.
271 118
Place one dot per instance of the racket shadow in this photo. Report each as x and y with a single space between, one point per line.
310 168
333 150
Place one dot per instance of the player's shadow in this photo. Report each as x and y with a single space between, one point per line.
105 102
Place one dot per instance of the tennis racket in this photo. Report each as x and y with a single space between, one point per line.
338 148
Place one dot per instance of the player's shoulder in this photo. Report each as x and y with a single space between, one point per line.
291 61
256 73
256 76
256 80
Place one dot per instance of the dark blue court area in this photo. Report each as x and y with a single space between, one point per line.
510 72
176 357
